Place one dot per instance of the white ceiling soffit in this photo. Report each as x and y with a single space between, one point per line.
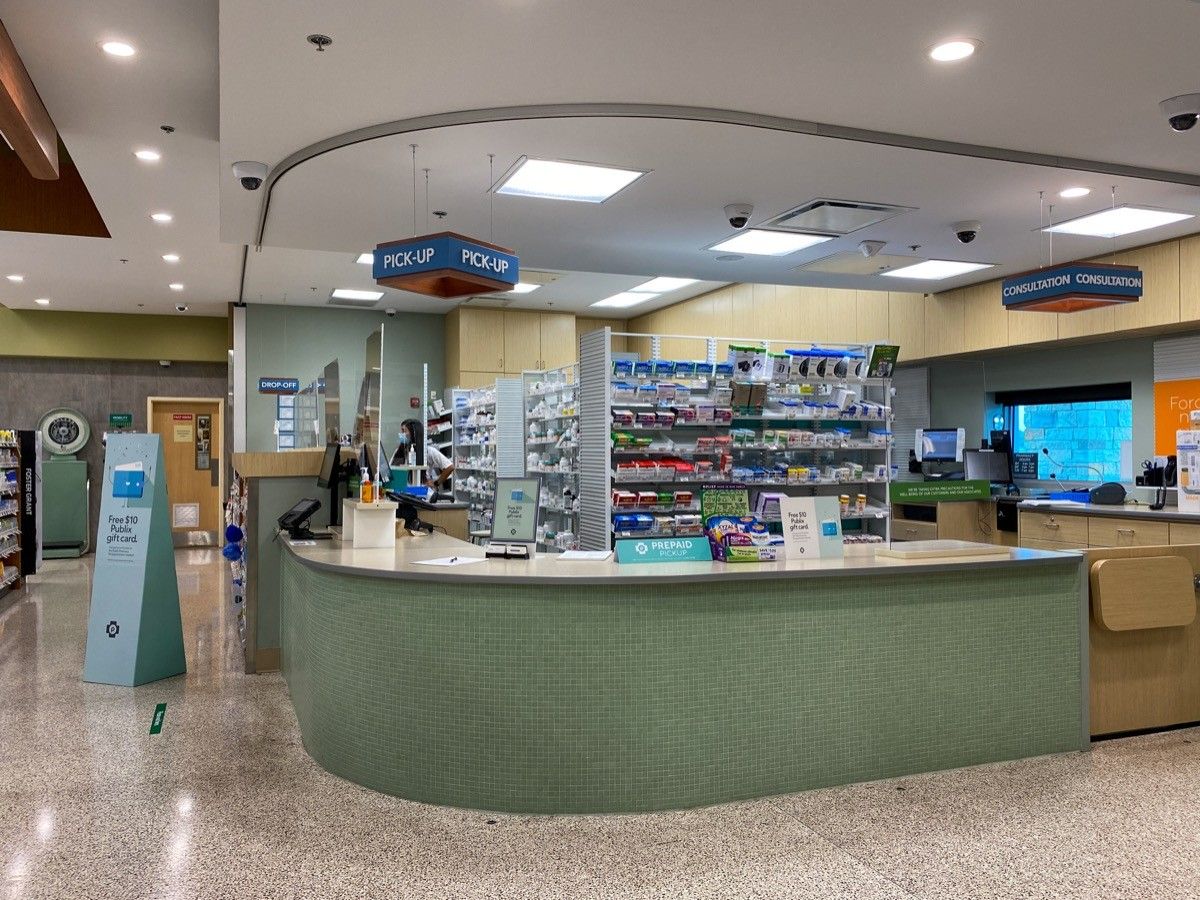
105 109
355 196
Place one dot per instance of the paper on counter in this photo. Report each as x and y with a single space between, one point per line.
596 555
450 561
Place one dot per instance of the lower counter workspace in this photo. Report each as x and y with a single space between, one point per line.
553 686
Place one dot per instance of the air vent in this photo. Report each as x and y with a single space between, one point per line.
353 304
826 216
851 262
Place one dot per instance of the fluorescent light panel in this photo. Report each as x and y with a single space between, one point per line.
42 301
936 269
760 242
663 284
366 259
161 216
624 300
1121 220
522 287
351 294
15 279
557 180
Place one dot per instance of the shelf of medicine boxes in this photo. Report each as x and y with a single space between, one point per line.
473 434
551 413
785 410
440 427
10 528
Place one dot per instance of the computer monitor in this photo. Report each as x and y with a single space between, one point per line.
325 479
987 465
940 444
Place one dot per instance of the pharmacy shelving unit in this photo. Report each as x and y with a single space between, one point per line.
488 441
552 452
10 512
809 439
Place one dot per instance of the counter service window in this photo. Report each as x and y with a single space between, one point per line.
1087 431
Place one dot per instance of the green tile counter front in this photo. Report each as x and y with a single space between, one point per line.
606 696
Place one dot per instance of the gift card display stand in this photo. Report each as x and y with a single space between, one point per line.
135 634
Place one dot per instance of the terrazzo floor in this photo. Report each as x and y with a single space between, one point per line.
224 803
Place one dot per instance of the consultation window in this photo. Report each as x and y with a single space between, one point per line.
1086 438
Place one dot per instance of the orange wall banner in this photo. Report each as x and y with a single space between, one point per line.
1173 400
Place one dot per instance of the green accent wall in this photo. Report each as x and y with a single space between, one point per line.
77 335
959 389
598 698
298 342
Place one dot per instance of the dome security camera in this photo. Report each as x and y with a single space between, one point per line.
391 313
739 214
251 174
966 231
1182 112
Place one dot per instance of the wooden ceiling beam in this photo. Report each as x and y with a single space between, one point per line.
24 121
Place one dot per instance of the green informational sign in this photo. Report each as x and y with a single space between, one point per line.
939 491
120 420
516 510
660 550
160 713
882 363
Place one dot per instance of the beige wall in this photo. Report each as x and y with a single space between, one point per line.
787 313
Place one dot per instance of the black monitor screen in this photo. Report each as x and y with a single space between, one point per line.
330 460
984 465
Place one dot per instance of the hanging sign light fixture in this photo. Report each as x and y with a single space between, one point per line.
444 264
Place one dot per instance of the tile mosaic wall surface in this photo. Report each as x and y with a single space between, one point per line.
540 699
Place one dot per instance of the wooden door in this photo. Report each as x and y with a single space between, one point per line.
481 340
522 342
191 437
557 340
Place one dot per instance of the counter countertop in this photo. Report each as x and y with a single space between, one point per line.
1140 511
545 568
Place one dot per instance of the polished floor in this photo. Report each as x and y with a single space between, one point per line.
224 803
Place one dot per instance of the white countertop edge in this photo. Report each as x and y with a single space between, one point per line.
399 563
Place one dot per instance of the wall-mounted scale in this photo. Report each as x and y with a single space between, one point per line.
66 513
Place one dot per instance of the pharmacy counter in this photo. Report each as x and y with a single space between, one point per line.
549 686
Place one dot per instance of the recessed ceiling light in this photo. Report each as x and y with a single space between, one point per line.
522 287
117 48
42 301
625 299
760 242
557 180
952 51
16 279
662 284
148 155
162 217
366 259
1073 192
1118 221
351 294
936 269
171 257
175 286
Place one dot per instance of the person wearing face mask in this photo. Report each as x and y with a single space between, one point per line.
416 451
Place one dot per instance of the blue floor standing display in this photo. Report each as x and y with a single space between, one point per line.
135 634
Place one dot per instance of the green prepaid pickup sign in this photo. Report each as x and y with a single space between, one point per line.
939 491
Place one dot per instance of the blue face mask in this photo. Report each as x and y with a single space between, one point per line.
405 440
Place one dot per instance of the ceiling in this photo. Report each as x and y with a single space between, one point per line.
1077 78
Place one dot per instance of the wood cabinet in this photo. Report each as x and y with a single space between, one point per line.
1106 531
906 324
957 520
486 342
522 341
1184 533
1160 287
1068 531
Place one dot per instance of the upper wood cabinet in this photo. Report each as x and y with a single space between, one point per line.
1160 287
484 341
906 324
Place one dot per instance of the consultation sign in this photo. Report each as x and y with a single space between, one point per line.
1073 287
